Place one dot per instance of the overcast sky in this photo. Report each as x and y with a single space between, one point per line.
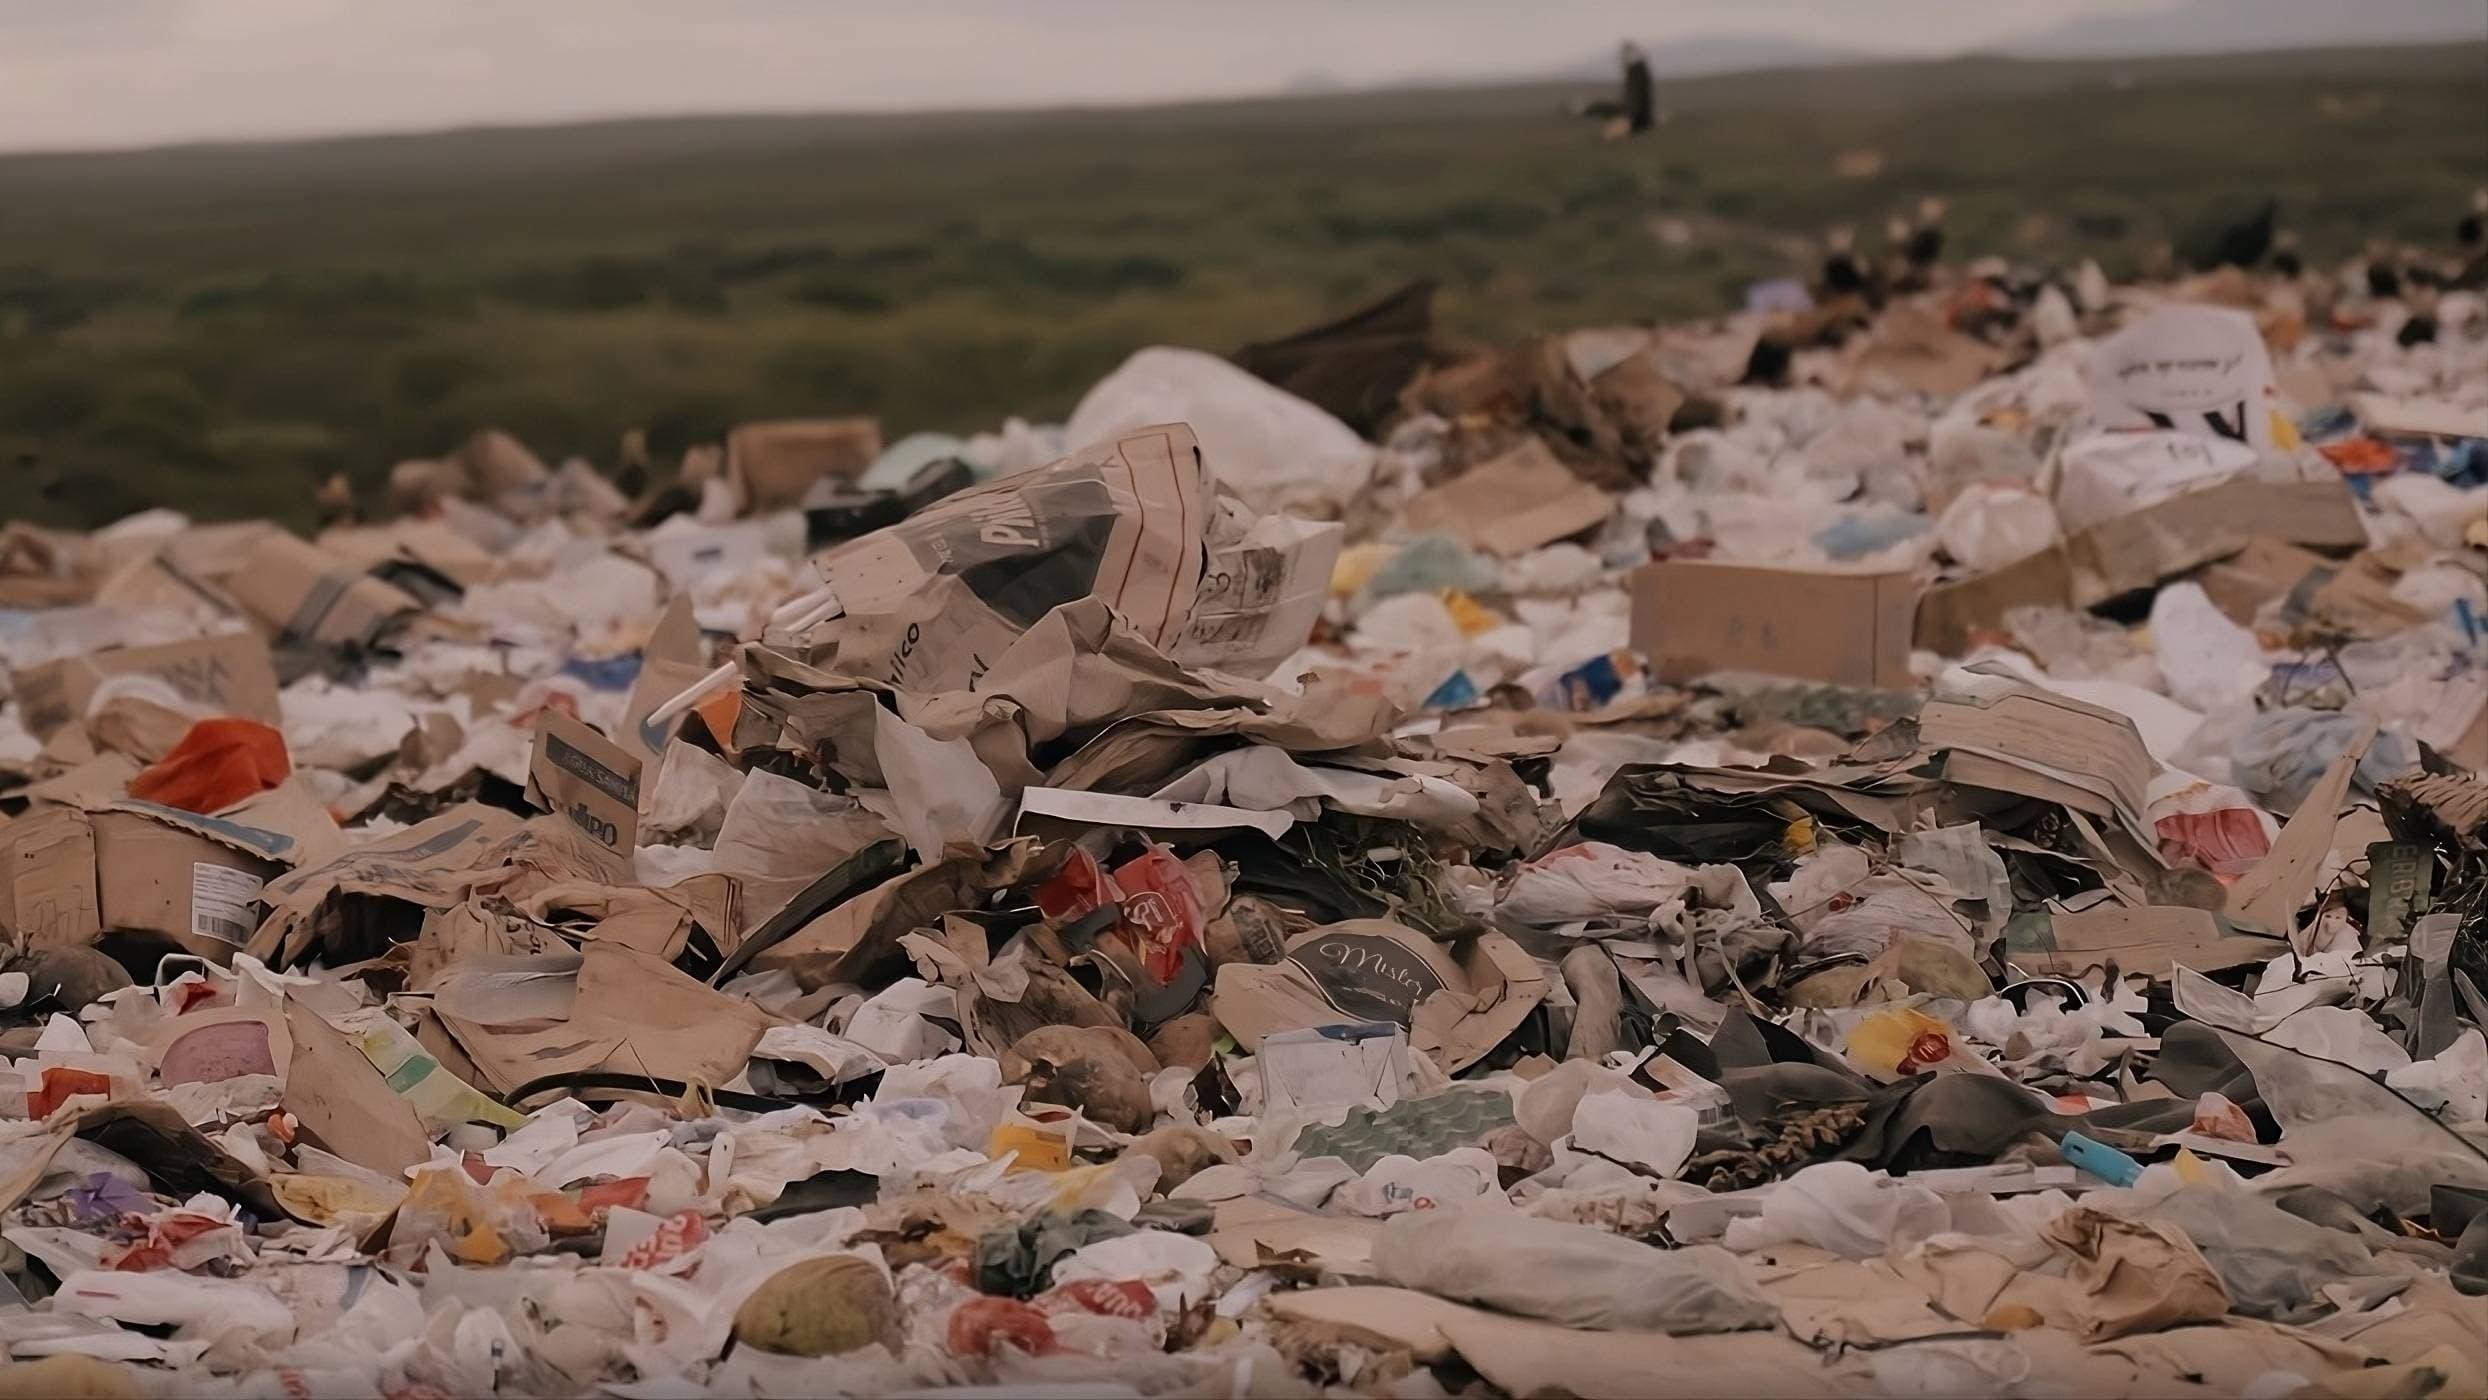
88 73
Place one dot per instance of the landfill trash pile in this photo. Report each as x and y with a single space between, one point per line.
1925 848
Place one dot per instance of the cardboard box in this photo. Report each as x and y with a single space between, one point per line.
155 877
774 464
229 674
1695 617
302 593
67 877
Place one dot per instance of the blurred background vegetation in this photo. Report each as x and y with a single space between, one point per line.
218 328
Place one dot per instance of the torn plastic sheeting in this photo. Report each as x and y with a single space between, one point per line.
1571 1274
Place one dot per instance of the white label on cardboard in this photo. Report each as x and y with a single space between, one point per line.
224 902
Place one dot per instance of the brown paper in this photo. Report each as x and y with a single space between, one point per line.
1696 617
586 777
929 603
2133 1275
1518 502
343 1101
229 674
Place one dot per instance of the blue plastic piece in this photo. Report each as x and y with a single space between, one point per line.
2101 1160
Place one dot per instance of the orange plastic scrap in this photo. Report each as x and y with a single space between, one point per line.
218 763
2361 456
720 711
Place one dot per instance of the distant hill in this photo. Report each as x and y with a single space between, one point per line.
1705 54
219 328
2242 26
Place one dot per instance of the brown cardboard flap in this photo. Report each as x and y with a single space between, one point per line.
2140 550
47 879
586 777
1518 502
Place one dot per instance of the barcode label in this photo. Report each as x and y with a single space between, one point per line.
224 902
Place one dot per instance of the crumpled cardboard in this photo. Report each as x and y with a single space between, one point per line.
47 879
2016 737
671 662
933 603
2138 550
1456 1000
838 944
227 675
2267 898
293 591
428 545
381 887
2149 940
626 1013
1913 351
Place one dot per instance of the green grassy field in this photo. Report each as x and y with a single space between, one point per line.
215 328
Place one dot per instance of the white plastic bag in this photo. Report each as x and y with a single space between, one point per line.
1991 524
2208 662
1276 451
1571 1274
